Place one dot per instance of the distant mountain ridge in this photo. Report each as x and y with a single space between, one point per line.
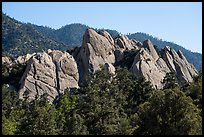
20 39
33 38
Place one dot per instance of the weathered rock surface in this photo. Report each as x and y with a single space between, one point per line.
49 73
54 71
144 64
178 63
124 43
147 44
96 50
24 59
110 69
99 49
154 68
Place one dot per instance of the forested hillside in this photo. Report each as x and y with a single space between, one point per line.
71 35
122 105
20 39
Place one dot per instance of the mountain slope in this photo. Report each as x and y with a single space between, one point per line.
20 39
71 34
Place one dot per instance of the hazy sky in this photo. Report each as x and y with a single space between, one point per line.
178 22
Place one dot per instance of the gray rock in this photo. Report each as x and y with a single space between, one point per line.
124 43
110 69
147 44
107 36
95 51
119 54
154 68
49 73
24 59
144 64
178 63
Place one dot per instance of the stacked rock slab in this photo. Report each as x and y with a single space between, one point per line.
177 62
49 73
148 64
122 43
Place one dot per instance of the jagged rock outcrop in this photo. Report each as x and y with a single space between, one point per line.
147 44
149 64
122 43
107 36
99 49
177 62
49 73
96 50
144 64
54 71
24 59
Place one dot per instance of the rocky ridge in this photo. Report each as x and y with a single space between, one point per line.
53 71
49 72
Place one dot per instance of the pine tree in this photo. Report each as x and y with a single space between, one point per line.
170 81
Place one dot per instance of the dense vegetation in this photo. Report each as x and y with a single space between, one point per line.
20 38
71 35
105 105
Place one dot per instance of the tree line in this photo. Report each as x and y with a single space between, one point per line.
124 104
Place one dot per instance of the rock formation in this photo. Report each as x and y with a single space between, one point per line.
122 43
49 73
53 71
96 50
24 59
178 63
153 70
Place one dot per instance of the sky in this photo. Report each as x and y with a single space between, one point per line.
178 22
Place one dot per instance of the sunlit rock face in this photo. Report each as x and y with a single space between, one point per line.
50 73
